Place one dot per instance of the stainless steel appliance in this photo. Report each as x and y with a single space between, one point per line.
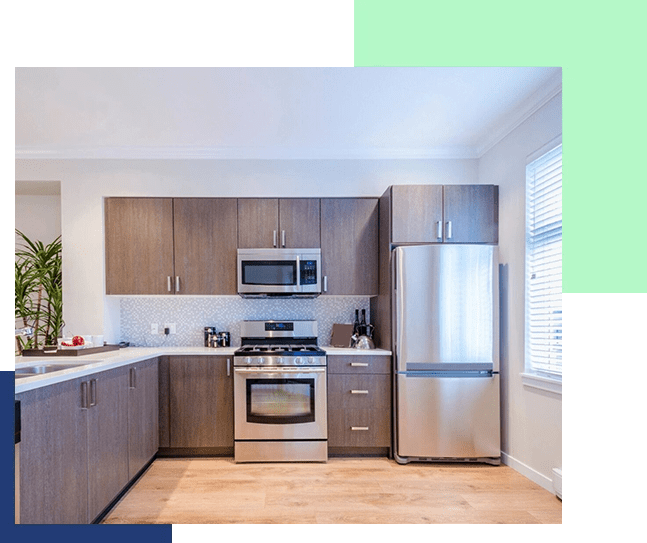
279 272
280 411
445 303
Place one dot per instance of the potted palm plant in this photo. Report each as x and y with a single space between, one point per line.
39 291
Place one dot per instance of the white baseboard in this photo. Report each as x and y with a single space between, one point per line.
528 472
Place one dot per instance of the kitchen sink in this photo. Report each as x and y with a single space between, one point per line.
41 369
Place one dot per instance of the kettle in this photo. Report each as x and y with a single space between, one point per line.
365 341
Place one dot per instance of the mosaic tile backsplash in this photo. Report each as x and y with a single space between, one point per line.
192 314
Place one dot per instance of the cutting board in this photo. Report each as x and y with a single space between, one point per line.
341 334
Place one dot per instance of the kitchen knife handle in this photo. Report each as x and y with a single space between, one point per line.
177 283
282 238
84 395
274 238
168 283
93 392
439 229
449 230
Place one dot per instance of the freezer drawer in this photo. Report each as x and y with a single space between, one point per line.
447 417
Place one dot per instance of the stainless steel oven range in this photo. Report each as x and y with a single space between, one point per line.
280 393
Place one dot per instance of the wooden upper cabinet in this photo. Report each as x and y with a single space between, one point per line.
299 223
471 213
349 234
444 214
258 222
139 245
171 246
205 245
272 222
417 213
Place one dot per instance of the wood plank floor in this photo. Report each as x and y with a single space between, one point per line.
348 490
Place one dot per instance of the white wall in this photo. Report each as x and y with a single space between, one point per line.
531 418
84 183
39 217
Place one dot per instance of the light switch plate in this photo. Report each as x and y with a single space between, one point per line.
154 329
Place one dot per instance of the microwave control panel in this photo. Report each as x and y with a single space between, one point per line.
308 272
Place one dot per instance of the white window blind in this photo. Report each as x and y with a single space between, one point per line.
544 264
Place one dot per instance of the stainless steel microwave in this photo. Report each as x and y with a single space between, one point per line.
279 272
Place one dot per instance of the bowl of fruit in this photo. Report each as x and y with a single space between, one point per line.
75 342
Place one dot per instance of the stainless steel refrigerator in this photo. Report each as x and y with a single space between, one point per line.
445 312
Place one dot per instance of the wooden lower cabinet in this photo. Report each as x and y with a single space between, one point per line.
143 413
107 416
197 404
83 440
359 404
53 455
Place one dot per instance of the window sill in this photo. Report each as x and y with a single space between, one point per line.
547 384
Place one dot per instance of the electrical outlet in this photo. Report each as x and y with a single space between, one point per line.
171 327
154 329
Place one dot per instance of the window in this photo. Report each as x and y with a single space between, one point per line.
544 265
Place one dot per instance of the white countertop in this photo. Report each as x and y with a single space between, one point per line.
93 363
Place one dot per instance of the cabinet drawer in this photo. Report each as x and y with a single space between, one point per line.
349 391
359 364
359 428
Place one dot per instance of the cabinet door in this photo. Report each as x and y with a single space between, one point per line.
143 414
201 402
359 413
139 245
300 225
107 438
471 213
349 245
258 223
205 245
53 455
417 213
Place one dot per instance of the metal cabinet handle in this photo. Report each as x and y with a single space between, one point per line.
177 283
298 271
93 392
359 364
84 394
325 283
356 428
359 391
228 367
133 378
168 283
449 230
282 238
274 238
439 229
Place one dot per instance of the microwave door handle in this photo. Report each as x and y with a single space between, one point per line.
298 272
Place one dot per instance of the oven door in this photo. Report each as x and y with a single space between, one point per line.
280 403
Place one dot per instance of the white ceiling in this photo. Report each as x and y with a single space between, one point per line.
273 112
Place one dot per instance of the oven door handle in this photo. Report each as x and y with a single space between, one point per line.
272 371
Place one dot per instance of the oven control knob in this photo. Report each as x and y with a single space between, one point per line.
311 360
298 361
248 360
